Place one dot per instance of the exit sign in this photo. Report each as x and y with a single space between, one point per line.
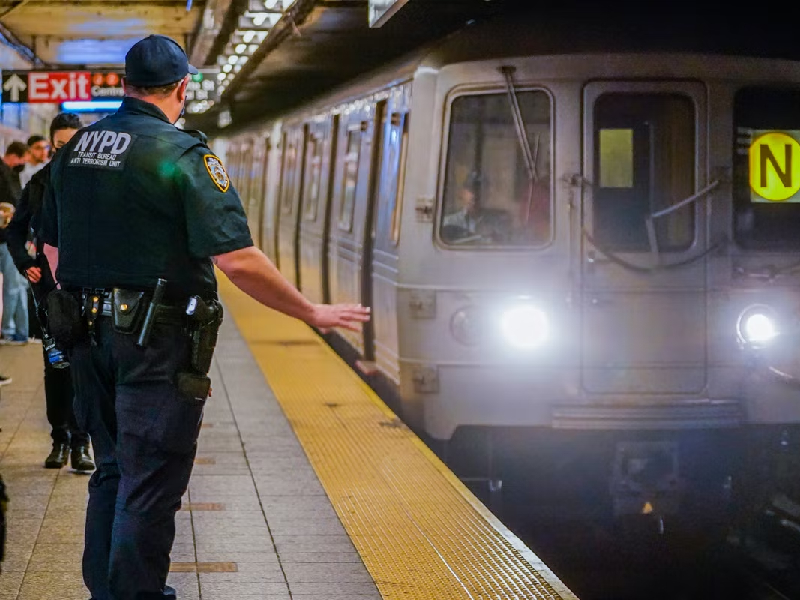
55 87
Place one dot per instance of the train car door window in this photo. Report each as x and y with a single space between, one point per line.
644 162
314 172
489 199
766 168
399 129
350 179
289 177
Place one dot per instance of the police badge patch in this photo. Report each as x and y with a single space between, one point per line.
217 172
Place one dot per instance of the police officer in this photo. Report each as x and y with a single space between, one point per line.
139 211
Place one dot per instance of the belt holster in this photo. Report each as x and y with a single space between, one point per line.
64 319
128 307
205 318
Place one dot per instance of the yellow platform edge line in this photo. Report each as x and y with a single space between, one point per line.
254 322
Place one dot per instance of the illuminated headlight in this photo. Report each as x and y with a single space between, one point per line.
757 326
524 326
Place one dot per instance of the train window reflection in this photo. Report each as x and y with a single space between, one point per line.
766 168
489 198
350 180
645 162
314 170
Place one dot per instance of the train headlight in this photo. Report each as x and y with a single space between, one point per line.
524 326
757 326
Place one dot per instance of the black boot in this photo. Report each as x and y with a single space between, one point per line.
58 456
80 458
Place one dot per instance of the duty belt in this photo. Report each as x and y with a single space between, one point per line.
98 303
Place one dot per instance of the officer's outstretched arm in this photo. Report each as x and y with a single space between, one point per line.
252 272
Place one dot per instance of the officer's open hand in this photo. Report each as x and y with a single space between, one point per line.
345 316
34 274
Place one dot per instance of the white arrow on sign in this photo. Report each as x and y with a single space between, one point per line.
15 85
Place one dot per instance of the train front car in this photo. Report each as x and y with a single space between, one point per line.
611 295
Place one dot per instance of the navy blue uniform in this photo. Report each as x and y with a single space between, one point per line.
133 199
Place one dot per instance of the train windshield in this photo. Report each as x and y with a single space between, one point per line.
766 168
490 199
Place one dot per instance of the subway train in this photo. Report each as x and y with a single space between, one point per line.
581 254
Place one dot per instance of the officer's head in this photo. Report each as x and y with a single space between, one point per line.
63 127
156 70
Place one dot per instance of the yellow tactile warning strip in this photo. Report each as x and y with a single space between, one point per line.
420 532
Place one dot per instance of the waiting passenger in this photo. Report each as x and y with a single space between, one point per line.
38 155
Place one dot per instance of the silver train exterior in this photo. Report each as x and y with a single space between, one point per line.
593 253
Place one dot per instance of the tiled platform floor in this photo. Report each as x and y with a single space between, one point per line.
255 524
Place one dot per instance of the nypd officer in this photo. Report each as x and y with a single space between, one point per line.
139 212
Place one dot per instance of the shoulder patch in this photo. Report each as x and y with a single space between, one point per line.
217 172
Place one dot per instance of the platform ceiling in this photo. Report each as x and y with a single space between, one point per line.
317 44
95 32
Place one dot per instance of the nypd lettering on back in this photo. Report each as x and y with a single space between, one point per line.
101 149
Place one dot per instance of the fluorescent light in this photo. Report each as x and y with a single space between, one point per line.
252 48
248 36
273 4
93 106
242 60
237 68
227 68
241 48
221 76
233 59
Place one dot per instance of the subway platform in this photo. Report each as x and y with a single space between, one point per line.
305 487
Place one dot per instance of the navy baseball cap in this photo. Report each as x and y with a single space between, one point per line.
155 61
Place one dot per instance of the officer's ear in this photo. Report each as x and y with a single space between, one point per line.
182 89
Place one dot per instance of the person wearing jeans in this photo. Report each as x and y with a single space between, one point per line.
14 325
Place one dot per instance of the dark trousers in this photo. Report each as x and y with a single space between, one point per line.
59 395
144 435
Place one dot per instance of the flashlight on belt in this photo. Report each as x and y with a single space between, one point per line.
150 317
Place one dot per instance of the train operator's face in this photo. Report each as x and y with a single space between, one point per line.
62 136
468 201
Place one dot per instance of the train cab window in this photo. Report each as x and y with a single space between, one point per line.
350 179
766 168
313 172
490 196
644 162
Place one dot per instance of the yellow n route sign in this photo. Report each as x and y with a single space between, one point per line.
774 167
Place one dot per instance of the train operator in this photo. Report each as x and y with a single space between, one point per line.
139 210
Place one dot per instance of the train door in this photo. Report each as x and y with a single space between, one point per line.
256 189
312 215
644 239
288 209
370 218
388 204
261 240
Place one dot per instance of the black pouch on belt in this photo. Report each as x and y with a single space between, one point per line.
67 326
129 309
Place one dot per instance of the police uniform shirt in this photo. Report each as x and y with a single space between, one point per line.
132 199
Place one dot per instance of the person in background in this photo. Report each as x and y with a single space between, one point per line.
38 155
69 441
15 299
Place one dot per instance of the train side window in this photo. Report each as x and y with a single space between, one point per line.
350 179
489 199
766 168
314 150
644 162
289 168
